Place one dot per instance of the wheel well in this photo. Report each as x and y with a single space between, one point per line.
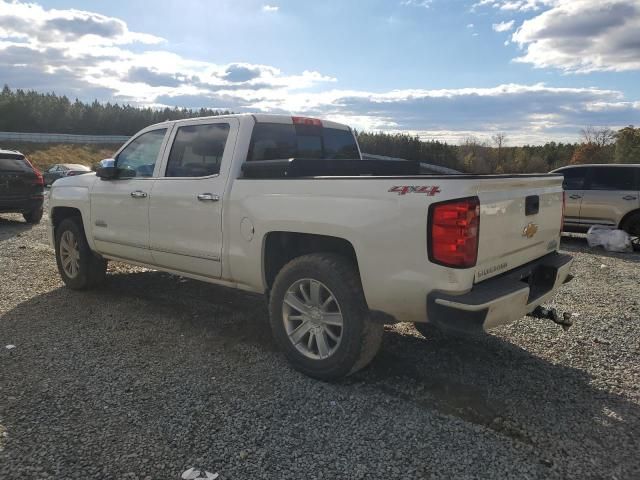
282 247
627 216
61 213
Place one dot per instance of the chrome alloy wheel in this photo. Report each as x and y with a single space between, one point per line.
69 254
312 319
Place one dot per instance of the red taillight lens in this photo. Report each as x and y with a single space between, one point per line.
306 121
39 179
453 232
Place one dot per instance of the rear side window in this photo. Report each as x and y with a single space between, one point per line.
14 165
574 178
274 141
197 150
613 178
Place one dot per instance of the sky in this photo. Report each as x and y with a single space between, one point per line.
536 70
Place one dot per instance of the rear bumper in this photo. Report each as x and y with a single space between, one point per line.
501 299
21 205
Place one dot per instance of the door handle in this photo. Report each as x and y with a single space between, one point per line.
629 197
139 194
208 197
574 196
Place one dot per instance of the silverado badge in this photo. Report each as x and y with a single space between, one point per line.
530 230
429 190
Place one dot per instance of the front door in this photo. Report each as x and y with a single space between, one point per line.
185 211
120 207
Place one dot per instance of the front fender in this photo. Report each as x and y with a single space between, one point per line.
64 198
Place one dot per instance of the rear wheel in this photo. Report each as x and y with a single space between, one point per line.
79 267
34 216
631 225
320 319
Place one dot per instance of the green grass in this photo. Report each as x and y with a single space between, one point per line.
43 155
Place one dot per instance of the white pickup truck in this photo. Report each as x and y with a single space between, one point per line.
286 206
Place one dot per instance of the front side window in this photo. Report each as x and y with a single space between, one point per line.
276 141
613 178
574 178
197 150
138 159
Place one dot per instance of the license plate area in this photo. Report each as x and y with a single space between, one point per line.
541 281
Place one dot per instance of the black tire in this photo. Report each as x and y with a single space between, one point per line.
631 225
427 330
92 268
361 338
34 216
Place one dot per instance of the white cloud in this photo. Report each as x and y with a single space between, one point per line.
90 56
583 36
503 26
417 3
270 8
470 25
514 5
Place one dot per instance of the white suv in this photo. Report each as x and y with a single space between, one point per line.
602 195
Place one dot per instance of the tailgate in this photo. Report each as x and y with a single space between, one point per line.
520 221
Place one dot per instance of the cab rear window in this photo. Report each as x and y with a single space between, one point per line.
274 141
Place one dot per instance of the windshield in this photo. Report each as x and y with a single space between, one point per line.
273 141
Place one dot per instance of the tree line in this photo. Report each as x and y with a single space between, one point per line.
31 111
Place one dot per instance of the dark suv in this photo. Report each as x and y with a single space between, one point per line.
21 186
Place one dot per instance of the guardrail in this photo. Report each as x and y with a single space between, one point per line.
62 138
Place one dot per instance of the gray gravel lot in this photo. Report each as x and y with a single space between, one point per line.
155 374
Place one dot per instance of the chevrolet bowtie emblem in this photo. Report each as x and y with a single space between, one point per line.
530 230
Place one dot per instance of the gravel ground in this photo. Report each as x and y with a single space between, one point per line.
155 374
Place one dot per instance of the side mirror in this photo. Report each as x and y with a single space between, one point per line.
107 169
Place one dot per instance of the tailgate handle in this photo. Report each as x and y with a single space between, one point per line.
532 205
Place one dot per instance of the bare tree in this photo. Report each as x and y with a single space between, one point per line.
499 140
599 136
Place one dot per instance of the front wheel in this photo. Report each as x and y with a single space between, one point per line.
79 267
320 319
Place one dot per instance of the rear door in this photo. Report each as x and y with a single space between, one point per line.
610 193
185 212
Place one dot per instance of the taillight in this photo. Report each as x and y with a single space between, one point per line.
306 121
39 179
453 231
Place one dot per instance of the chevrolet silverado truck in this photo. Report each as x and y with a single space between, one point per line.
340 245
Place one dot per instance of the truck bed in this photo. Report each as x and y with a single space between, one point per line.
314 167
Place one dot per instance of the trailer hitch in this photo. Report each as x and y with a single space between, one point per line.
564 321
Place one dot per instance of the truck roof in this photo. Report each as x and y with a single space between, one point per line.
263 118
